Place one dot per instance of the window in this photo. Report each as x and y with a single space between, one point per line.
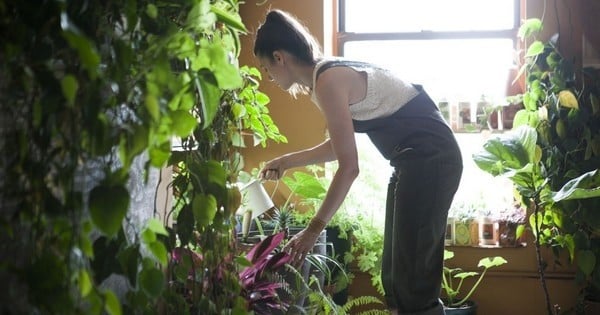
461 51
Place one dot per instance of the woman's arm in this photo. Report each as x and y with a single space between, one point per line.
333 90
274 169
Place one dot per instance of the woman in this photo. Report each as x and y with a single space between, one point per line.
408 130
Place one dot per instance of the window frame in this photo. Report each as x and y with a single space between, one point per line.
342 36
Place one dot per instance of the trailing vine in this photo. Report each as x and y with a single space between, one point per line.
87 88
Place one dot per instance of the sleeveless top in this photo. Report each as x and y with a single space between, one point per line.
386 92
400 118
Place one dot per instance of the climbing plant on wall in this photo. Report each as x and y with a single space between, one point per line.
102 83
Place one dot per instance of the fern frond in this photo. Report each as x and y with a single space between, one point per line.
361 301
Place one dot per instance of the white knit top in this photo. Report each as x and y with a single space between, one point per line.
386 92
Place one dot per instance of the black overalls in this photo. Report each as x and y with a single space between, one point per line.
427 169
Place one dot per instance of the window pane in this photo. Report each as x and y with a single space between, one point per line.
431 15
449 69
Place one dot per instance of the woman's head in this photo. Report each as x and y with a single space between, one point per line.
283 32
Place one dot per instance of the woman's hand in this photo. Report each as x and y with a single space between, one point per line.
274 169
300 245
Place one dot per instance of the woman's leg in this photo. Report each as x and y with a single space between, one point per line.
417 209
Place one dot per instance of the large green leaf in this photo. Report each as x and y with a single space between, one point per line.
585 186
108 207
305 185
510 152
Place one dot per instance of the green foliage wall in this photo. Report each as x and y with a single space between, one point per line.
102 82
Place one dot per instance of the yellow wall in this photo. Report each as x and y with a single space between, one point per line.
512 289
298 119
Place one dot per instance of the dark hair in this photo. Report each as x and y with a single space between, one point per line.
282 31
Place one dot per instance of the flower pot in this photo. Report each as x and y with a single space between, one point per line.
468 308
462 233
488 232
507 234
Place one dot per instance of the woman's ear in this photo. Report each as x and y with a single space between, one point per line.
278 57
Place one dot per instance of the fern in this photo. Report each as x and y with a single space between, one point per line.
362 301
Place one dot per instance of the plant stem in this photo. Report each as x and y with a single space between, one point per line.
539 257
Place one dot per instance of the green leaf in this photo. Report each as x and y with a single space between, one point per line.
513 151
229 19
85 283
151 10
216 59
160 154
157 226
112 305
210 96
567 99
69 85
152 281
183 123
463 275
585 186
200 16
85 244
152 106
488 262
586 261
108 207
529 28
448 254
159 251
148 236
128 260
536 48
204 208
85 48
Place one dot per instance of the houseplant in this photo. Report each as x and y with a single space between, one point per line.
552 156
455 300
103 83
359 241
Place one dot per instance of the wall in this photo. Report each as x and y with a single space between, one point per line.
513 288
298 119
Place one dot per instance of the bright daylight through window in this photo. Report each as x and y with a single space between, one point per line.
461 51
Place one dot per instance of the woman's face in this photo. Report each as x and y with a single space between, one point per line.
277 70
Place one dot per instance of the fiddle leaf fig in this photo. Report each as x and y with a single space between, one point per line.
585 186
108 207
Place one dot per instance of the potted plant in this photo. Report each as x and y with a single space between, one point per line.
464 215
511 225
456 301
552 157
